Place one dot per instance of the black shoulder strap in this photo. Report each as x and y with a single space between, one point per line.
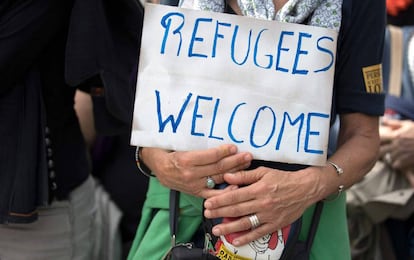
299 250
174 209
314 225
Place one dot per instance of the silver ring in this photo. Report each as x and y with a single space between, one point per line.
210 183
254 221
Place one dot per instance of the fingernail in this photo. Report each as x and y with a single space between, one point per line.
207 204
207 213
233 149
248 157
216 231
236 242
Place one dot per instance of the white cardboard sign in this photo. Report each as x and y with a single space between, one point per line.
207 79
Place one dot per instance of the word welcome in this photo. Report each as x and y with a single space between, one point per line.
288 122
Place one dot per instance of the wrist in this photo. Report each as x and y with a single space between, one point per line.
335 180
328 182
142 167
312 181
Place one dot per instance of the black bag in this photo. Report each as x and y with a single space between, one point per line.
185 251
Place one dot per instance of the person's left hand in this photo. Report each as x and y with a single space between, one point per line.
277 197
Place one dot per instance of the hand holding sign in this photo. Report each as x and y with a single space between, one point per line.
188 171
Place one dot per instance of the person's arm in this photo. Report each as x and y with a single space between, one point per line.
84 112
26 29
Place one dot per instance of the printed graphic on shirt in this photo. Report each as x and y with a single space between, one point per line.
269 246
373 78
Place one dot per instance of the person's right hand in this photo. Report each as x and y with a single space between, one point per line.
187 171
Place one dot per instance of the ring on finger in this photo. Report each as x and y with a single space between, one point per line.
210 183
254 221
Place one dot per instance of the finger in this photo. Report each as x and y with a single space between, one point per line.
254 234
231 198
212 155
247 162
232 210
244 177
406 129
386 134
243 228
233 226
392 123
195 158
227 164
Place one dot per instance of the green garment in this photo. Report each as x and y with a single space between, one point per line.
332 238
153 239
153 235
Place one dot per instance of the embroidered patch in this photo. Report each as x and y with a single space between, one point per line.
373 78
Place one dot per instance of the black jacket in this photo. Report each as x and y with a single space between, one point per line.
42 151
